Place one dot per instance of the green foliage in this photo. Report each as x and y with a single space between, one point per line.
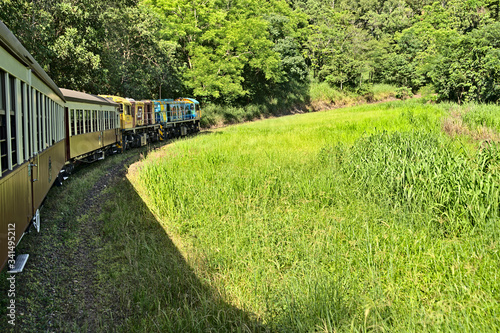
467 67
235 51
250 52
403 92
96 46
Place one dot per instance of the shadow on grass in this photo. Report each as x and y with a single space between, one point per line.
155 288
103 263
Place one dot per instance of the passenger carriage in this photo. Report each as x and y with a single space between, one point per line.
93 126
32 145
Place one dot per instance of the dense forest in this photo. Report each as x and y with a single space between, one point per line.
236 52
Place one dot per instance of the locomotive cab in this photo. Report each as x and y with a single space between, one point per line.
125 110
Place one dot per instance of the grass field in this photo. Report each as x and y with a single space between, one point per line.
362 219
376 218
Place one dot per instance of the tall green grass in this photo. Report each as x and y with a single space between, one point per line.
324 93
479 115
359 219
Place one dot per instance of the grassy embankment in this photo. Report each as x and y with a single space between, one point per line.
361 219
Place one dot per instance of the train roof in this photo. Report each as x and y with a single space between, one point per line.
192 100
117 99
12 45
81 97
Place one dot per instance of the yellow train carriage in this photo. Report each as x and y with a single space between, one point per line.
126 118
32 145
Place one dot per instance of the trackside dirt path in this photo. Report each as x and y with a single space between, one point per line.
60 289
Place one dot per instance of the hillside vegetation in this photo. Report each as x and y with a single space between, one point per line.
273 54
372 218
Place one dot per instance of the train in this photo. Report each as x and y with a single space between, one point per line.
45 130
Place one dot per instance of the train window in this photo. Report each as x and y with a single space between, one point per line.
60 115
51 122
43 127
58 121
24 117
47 121
106 120
84 121
80 121
46 127
2 90
75 120
88 121
77 123
38 122
71 119
3 126
29 115
74 114
55 121
13 122
61 122
99 124
32 123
